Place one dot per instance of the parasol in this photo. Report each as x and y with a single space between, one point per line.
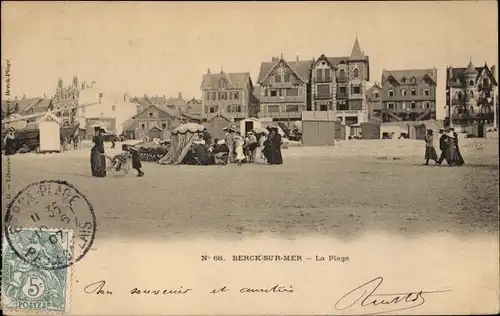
280 131
189 127
260 130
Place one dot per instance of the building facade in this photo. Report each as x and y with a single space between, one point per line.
103 107
339 84
228 93
328 86
194 106
408 95
374 103
155 121
284 89
470 94
65 100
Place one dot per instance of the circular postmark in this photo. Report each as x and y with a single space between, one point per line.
38 219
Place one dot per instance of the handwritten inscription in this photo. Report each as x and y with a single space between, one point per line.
99 288
366 296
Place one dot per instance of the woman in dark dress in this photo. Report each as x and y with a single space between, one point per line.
136 160
277 158
97 160
451 156
10 142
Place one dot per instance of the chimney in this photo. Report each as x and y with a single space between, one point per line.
179 96
208 71
298 57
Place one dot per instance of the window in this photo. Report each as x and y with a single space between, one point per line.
143 126
292 108
100 95
390 105
355 73
459 95
403 92
277 78
486 83
151 114
413 92
403 80
471 82
356 89
212 109
391 93
113 108
273 108
427 105
342 74
235 95
471 93
323 90
163 125
341 106
355 105
287 78
427 92
413 105
319 75
292 92
342 91
274 93
328 75
376 95
222 95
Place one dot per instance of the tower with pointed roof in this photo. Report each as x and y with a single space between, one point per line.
339 84
470 94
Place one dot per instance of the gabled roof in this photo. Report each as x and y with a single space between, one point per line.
155 128
375 86
49 116
237 80
192 116
194 101
129 124
470 69
326 59
455 77
23 104
162 108
301 68
418 74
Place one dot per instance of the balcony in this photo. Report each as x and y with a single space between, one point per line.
323 80
342 96
282 99
350 112
342 79
281 115
323 96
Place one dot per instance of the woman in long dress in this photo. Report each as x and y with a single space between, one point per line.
277 158
430 151
451 155
97 160
240 155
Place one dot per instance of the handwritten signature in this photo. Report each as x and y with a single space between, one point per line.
365 296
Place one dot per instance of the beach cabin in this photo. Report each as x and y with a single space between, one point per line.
50 133
249 124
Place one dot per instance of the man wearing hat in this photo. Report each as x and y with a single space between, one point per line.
442 146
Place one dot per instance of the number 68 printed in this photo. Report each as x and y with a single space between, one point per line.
34 287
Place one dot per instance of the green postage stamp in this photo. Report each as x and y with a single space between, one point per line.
28 284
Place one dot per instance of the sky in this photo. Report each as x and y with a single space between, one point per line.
165 48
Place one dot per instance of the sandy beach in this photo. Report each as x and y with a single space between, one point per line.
343 191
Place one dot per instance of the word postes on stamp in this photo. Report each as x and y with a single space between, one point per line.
51 205
25 286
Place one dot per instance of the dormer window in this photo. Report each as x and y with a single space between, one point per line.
403 80
391 93
471 83
222 83
287 78
413 80
403 92
151 114
413 92
426 92
277 78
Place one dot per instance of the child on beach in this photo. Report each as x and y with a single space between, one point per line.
136 160
240 156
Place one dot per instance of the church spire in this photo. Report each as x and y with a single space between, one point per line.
356 52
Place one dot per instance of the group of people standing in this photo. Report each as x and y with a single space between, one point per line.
246 148
448 144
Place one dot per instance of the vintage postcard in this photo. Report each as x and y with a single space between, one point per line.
250 158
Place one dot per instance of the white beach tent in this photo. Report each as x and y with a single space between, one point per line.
50 133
